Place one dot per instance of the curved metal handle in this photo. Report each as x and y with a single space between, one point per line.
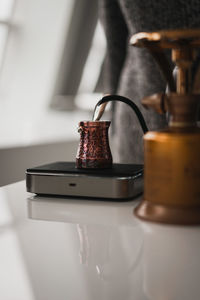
123 99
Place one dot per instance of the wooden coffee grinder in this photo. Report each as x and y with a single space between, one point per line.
172 155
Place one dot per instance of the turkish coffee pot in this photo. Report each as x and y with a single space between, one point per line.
94 149
171 155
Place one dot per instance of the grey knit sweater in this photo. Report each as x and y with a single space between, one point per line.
132 72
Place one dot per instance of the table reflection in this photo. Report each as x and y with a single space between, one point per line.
81 211
110 242
122 257
171 265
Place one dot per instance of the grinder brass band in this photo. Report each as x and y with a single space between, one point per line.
172 155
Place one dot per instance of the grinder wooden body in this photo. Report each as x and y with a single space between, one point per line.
171 177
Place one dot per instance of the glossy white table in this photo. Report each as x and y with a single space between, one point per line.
61 249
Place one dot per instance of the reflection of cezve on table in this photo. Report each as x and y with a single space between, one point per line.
59 248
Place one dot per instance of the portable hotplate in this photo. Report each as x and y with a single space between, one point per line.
121 182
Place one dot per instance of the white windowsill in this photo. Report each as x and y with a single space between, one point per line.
36 128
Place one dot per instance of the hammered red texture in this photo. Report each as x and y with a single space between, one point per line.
94 150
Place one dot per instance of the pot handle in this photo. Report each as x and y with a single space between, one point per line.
109 98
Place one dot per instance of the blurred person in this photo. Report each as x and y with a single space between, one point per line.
132 72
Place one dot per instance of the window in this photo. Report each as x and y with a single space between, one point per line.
82 58
91 76
53 53
6 8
